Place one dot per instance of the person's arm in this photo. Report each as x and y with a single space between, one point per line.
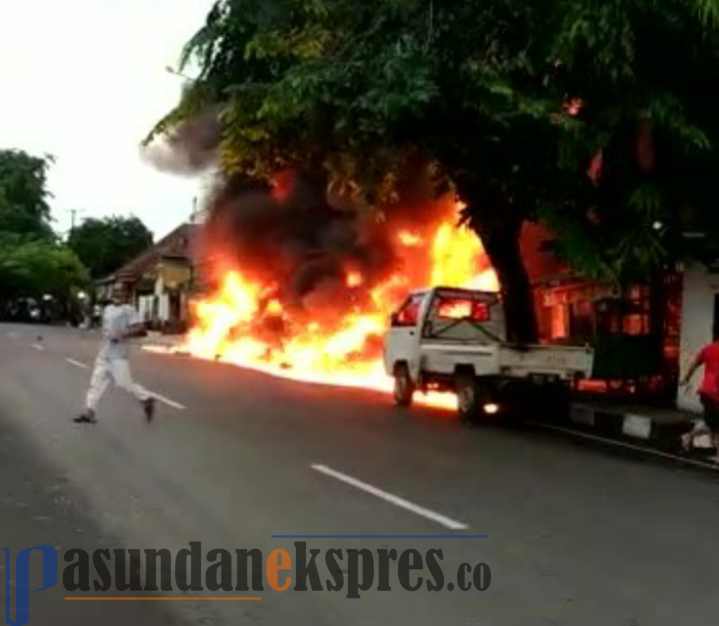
136 330
135 327
692 369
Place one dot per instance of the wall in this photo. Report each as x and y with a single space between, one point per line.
696 330
164 314
162 309
174 273
541 263
145 307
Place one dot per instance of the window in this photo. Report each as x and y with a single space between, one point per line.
462 309
408 315
560 321
555 315
636 319
580 321
609 317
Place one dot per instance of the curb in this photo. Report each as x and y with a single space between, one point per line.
618 424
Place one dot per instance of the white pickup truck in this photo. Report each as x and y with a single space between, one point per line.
455 340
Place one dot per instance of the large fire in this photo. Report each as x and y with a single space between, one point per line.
245 324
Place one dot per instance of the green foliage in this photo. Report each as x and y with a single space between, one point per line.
36 268
104 245
32 261
642 70
23 194
480 87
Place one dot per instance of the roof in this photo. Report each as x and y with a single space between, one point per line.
175 245
106 281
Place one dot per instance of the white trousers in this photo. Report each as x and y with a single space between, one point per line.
108 370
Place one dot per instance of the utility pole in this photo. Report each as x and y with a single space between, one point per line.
73 214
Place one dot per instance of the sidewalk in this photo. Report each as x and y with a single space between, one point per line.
165 341
659 427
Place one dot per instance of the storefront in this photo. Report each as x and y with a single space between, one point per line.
635 333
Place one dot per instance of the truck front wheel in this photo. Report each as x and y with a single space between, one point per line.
468 400
403 386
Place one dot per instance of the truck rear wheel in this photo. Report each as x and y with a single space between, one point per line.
468 397
404 388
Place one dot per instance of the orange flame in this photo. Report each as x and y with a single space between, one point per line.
344 351
456 310
354 279
409 239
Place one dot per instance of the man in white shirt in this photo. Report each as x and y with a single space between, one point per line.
120 323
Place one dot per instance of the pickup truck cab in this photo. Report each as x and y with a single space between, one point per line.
455 340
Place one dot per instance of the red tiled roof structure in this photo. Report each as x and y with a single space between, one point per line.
177 244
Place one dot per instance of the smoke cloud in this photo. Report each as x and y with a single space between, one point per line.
189 148
291 234
295 239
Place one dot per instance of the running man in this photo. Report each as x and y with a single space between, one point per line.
708 394
120 323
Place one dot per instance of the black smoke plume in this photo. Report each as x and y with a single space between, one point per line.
292 237
189 148
289 234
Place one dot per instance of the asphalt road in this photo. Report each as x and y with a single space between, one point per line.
574 535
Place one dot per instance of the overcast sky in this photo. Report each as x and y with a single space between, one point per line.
84 80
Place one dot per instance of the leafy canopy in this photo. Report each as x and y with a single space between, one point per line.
24 196
643 70
479 87
32 261
510 102
39 267
104 245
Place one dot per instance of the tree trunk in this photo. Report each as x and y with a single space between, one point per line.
500 228
504 252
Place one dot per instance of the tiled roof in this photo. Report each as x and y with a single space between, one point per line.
175 245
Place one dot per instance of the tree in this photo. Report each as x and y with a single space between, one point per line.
33 264
105 245
645 127
24 196
509 102
40 267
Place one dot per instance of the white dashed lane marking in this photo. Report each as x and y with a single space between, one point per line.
391 498
82 366
158 396
167 401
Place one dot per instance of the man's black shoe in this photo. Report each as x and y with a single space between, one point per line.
149 406
86 418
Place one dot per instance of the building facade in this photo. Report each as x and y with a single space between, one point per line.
160 280
634 330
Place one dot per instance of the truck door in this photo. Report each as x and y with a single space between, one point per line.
403 337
